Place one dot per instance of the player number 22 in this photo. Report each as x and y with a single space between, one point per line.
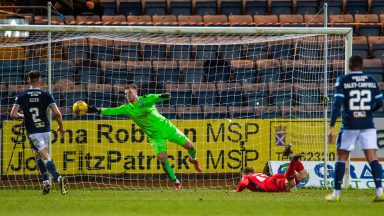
359 100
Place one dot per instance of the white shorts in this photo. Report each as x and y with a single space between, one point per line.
40 140
367 139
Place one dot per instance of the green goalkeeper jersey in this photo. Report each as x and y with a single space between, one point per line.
144 114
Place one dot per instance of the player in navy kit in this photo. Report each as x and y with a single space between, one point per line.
34 104
360 96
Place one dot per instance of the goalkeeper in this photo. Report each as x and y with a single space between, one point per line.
143 112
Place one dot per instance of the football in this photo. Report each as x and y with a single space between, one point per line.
80 108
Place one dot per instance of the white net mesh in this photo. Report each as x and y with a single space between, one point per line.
264 91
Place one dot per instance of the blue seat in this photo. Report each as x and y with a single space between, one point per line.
283 50
155 7
218 71
231 98
63 70
257 51
258 98
89 74
102 50
360 46
268 70
154 52
181 52
206 52
78 52
192 71
36 64
306 6
244 71
168 112
11 71
254 7
215 112
71 97
181 7
308 96
374 68
240 112
140 71
115 72
130 7
334 6
129 51
109 7
166 71
231 7
377 45
100 95
377 6
281 7
357 6
206 7
231 52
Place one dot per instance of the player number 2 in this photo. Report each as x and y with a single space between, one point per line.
35 114
359 100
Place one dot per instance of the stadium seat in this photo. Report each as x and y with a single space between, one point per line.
14 90
109 6
368 24
88 20
231 7
268 112
89 73
140 71
342 20
215 112
36 64
360 46
239 112
256 7
12 71
130 7
316 111
257 94
134 20
281 6
374 68
314 20
101 50
193 20
306 6
73 93
180 7
66 113
336 47
377 45
179 48
166 71
218 70
307 93
243 70
230 94
268 70
291 20
62 69
114 20
338 66
77 49
240 20
285 49
128 51
155 7
205 7
118 91
205 52
168 112
155 51
100 95
313 51
192 71
189 112
255 51
292 71
334 6
166 20
377 6
357 6
204 93
115 72
266 20
181 94
282 94
215 20
293 111
231 51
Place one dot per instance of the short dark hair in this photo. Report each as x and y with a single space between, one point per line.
132 86
356 62
34 76
248 170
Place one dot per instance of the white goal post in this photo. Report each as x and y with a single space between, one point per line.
239 93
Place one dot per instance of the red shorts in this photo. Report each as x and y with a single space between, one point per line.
275 183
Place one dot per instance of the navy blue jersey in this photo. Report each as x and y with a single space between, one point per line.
359 93
34 103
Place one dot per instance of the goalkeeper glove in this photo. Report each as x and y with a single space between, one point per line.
165 95
93 109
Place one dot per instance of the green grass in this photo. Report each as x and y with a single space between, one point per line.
187 202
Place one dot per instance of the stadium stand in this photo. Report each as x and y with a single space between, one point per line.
180 7
130 7
205 7
255 7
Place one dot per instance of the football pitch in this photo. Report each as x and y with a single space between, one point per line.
86 202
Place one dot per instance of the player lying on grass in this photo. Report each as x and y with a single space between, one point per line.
259 182
143 112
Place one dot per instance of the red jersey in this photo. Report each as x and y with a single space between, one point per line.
259 182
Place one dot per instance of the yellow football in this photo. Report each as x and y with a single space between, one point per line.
80 108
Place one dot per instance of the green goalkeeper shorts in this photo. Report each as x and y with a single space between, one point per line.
172 134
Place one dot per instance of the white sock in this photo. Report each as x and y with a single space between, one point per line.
46 182
379 191
59 179
336 193
177 181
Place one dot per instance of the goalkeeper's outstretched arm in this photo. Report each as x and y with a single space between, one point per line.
121 110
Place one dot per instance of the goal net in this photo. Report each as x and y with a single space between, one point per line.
239 94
